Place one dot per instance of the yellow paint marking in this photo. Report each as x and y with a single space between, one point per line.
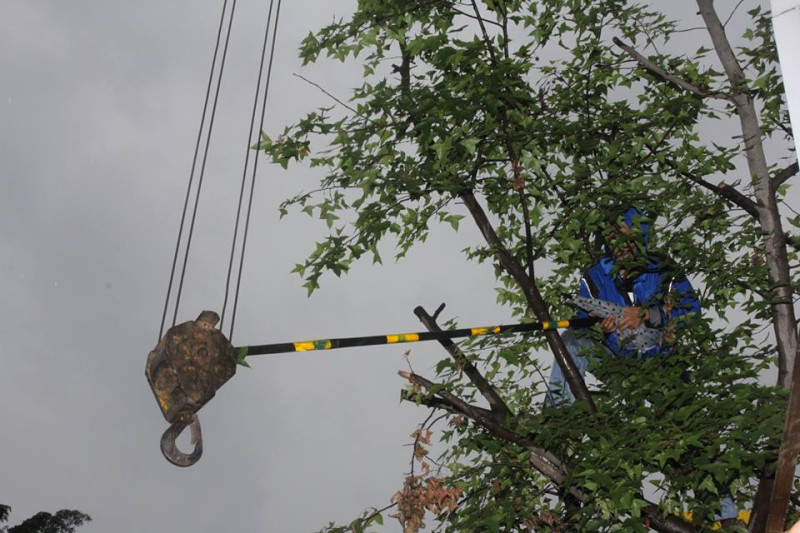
545 325
164 404
479 331
403 337
303 346
563 324
743 516
496 329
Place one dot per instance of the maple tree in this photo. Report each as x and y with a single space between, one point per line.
540 120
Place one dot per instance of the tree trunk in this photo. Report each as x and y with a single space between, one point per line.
766 510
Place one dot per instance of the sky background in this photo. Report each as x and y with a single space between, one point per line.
99 108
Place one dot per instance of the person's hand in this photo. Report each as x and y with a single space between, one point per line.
795 528
609 324
632 317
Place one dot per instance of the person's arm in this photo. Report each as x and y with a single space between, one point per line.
585 289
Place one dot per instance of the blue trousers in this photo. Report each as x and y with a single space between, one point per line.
559 393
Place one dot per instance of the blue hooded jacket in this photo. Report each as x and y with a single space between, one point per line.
658 278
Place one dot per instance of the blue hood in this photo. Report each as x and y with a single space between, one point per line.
632 217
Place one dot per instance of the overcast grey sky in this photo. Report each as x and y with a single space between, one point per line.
99 106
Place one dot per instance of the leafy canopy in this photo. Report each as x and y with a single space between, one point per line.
530 106
64 521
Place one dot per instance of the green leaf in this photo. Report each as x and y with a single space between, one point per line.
470 144
241 353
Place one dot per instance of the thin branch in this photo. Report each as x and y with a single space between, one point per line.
376 512
789 207
740 200
417 437
785 174
332 97
684 30
732 13
473 17
506 51
534 298
519 185
723 189
515 270
486 38
663 74
498 406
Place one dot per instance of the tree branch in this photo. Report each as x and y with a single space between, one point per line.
723 189
519 185
740 200
473 17
533 297
498 406
542 460
332 97
671 78
785 174
486 38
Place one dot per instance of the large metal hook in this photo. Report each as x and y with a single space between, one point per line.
170 448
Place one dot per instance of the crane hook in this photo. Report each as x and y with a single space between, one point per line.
169 446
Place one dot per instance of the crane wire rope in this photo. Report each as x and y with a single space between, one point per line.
194 164
255 168
205 158
191 173
248 149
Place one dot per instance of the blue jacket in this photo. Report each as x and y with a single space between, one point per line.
658 278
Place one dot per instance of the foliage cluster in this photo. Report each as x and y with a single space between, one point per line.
543 112
64 521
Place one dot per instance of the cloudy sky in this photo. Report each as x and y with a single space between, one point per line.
99 108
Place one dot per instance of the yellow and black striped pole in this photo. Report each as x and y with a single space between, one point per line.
349 342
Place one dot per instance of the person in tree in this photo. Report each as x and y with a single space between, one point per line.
652 290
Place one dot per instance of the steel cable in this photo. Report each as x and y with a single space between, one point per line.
246 163
205 157
191 173
255 168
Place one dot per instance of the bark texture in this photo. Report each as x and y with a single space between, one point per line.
769 514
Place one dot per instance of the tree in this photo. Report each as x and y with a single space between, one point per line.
540 120
64 521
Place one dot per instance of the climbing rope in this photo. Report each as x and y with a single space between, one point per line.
194 164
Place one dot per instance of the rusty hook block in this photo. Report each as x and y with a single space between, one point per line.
185 370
